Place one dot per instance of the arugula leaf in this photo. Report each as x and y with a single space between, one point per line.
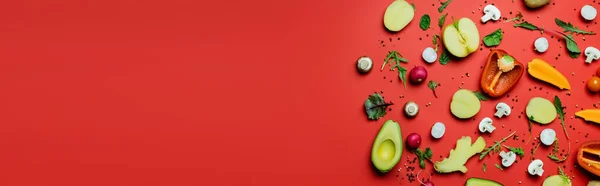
402 74
568 27
564 176
555 150
423 156
526 25
496 147
572 48
444 58
561 114
394 56
444 5
432 85
516 18
484 167
425 22
480 96
518 151
498 166
493 39
376 107
442 20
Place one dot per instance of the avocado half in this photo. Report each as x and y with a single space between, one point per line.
387 148
481 182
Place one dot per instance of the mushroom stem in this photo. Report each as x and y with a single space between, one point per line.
589 58
487 17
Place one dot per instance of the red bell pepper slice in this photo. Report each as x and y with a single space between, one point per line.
496 82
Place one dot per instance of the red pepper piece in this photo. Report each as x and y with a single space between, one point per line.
496 83
588 157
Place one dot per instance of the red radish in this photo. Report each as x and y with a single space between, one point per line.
417 75
413 141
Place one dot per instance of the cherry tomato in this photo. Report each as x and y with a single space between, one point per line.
593 84
598 72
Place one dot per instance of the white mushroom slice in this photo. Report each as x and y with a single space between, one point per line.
491 12
508 158
429 55
592 53
536 167
502 109
486 125
588 12
438 130
548 136
541 44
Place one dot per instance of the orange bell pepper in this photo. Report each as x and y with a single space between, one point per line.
588 157
500 74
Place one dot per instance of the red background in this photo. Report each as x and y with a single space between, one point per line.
182 92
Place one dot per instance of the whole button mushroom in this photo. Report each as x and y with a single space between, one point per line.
502 109
364 64
591 53
535 167
491 12
411 109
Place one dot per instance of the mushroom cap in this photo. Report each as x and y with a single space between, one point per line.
492 9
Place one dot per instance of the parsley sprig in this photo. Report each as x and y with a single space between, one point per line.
433 85
423 156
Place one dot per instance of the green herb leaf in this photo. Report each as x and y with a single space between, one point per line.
480 96
425 22
572 48
444 58
564 176
518 151
493 39
432 85
395 57
484 167
526 25
561 114
422 156
568 27
444 5
376 107
554 155
496 147
442 20
402 75
498 166
530 120
414 7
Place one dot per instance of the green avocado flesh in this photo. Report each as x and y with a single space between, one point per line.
481 182
387 148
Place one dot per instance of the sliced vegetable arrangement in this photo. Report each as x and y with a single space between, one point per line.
500 74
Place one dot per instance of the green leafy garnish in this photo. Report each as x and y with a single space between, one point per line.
414 7
498 166
496 147
526 25
442 20
480 96
444 58
432 85
568 27
425 22
572 48
423 156
484 167
530 120
444 5
561 114
396 58
493 39
516 18
376 107
518 151
564 176
554 155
